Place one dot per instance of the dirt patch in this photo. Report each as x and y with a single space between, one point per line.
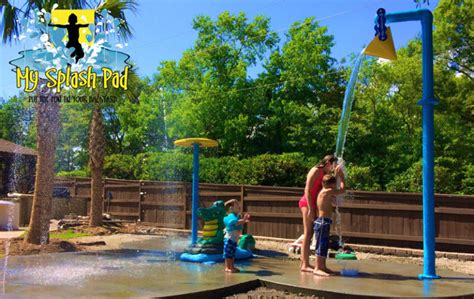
263 292
18 247
110 236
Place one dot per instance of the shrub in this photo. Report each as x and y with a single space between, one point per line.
120 166
361 178
74 173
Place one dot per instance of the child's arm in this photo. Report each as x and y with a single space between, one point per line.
244 220
340 174
82 25
336 192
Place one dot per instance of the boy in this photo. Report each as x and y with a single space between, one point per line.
322 224
233 229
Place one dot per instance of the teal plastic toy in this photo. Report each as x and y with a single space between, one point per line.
247 242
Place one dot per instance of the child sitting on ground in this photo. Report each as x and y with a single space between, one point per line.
322 224
233 229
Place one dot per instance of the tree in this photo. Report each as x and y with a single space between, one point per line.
17 121
209 88
47 129
96 164
453 38
72 152
302 93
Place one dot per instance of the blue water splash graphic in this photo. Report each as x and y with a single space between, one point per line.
50 48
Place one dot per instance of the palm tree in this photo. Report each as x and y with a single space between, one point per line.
96 163
97 144
96 133
47 113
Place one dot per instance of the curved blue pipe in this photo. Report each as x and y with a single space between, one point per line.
427 103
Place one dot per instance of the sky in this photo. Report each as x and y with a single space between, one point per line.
162 29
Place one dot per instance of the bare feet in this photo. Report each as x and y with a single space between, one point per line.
308 268
327 270
232 270
320 273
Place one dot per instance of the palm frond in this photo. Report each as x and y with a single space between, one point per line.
9 27
117 9
48 5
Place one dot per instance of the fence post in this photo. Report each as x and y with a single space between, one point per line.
242 205
74 187
104 181
140 196
183 198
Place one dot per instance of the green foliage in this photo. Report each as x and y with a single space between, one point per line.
361 178
281 170
449 177
74 173
208 90
453 38
217 170
287 169
120 166
172 166
300 94
408 181
272 128
17 121
468 180
71 151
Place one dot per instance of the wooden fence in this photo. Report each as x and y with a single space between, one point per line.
377 218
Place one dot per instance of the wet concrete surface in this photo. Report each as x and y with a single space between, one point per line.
134 272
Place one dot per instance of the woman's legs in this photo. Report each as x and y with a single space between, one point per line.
308 233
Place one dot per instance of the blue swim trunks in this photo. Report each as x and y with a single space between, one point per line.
229 248
321 233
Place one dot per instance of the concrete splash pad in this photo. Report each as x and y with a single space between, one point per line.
139 273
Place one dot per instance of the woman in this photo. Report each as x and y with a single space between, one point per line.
307 205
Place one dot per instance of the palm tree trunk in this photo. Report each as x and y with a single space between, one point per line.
96 162
47 129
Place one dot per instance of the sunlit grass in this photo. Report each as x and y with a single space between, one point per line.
67 234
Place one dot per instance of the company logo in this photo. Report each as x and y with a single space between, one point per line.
71 51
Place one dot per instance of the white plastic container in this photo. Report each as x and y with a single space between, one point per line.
9 211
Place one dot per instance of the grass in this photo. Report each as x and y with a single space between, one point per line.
67 234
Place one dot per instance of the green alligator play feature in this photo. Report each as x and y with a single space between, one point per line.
213 229
212 240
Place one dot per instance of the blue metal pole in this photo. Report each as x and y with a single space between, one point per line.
195 202
427 103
